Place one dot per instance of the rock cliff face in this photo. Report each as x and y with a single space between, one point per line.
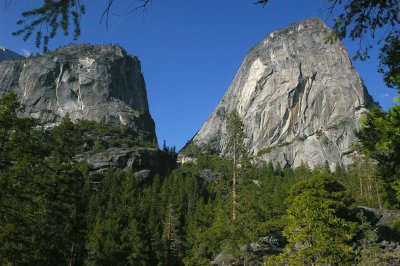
142 161
299 97
100 83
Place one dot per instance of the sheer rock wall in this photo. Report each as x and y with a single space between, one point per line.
300 99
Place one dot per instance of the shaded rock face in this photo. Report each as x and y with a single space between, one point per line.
6 54
300 99
143 162
381 220
100 83
255 253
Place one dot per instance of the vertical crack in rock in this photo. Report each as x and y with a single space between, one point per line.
261 82
92 82
305 100
58 84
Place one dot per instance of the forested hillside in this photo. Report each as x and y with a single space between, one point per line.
55 210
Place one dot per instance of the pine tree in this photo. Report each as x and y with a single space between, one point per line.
318 230
42 191
380 140
171 239
20 156
235 146
165 147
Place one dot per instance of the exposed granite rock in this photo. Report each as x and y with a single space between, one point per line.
100 83
112 157
381 220
143 162
271 244
299 97
380 245
143 174
183 158
223 260
210 176
6 54
255 253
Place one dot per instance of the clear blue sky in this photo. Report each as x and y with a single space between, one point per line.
190 50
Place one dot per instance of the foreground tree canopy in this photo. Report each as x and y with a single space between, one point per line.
359 20
322 202
380 138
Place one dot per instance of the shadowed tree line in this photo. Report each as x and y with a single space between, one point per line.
55 211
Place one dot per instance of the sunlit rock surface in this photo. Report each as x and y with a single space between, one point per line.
100 83
299 97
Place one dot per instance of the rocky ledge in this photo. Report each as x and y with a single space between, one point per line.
142 161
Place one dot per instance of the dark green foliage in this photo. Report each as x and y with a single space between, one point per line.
324 185
380 139
52 15
42 192
259 208
372 253
115 234
362 180
363 19
390 62
55 213
97 137
237 153
170 237
318 229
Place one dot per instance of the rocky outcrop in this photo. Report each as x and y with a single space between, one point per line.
381 221
299 97
100 83
6 54
209 175
255 253
142 161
